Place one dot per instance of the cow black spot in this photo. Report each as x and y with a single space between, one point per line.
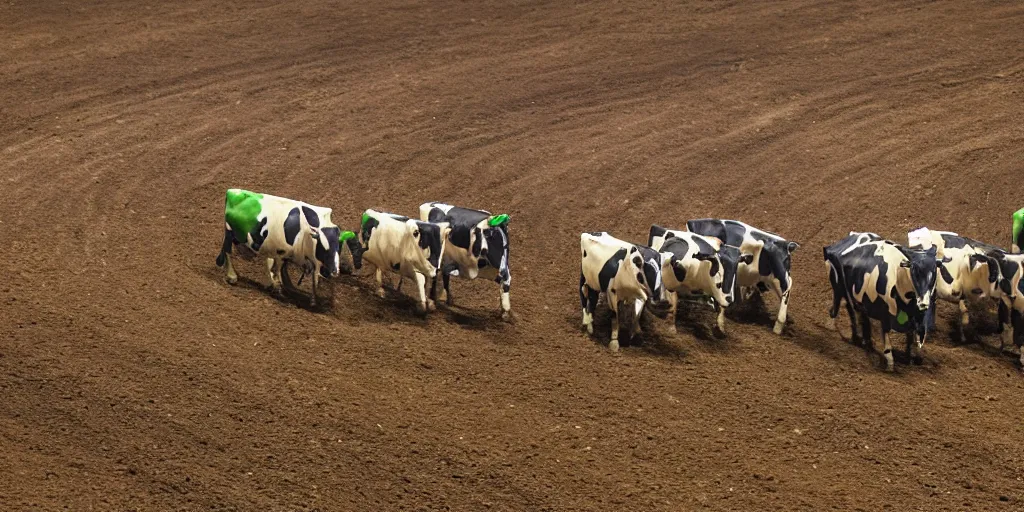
946 276
259 234
610 268
678 270
481 263
396 266
640 277
281 251
669 235
459 237
436 215
291 226
311 217
478 243
584 254
367 230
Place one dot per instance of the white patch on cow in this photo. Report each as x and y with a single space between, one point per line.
623 286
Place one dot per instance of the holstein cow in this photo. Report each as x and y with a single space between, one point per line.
477 246
966 272
1011 310
282 231
693 263
884 281
770 268
405 246
624 272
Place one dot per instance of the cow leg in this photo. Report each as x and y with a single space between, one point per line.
852 313
272 265
865 324
720 322
446 283
887 348
1005 329
224 258
673 302
421 287
780 320
316 280
379 276
286 280
588 300
506 303
613 304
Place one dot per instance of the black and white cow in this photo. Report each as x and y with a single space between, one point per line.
1011 309
404 246
770 268
281 230
885 281
626 273
693 263
477 246
966 271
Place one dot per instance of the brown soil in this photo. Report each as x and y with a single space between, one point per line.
133 378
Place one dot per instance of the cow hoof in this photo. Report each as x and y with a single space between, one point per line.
673 330
231 279
590 329
431 306
778 328
380 292
613 345
506 316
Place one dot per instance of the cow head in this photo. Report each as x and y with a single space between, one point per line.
430 238
1011 275
328 248
646 265
923 269
730 258
494 250
985 269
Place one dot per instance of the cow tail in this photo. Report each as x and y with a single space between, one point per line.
225 247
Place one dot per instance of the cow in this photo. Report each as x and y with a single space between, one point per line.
884 281
477 246
693 263
282 231
770 268
407 247
966 271
624 272
1011 309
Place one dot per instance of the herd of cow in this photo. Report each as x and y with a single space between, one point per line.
720 261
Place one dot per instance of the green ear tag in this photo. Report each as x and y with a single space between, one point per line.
366 217
498 220
346 236
902 317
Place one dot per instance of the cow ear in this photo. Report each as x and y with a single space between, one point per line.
905 263
638 261
793 246
632 249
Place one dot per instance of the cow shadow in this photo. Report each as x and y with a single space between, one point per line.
700 321
651 340
751 311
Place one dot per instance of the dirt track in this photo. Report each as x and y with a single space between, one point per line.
133 378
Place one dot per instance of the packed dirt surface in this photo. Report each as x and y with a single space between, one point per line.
132 377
